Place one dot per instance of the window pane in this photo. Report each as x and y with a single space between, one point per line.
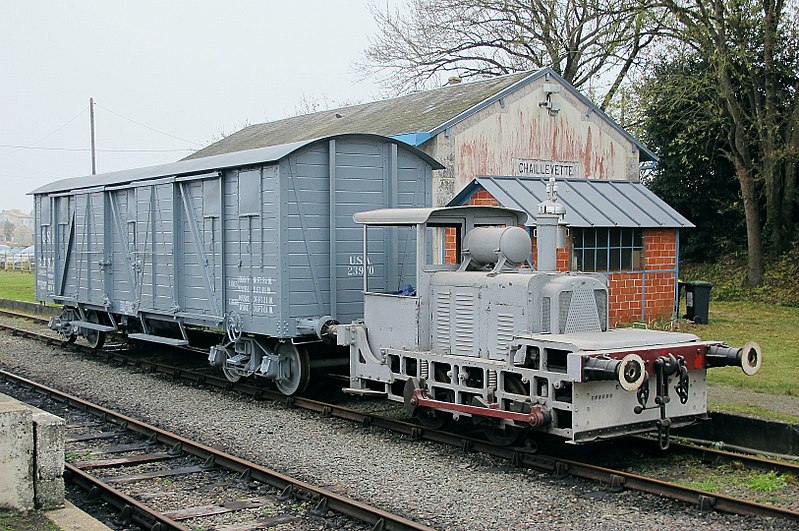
602 238
627 238
638 238
577 238
589 261
615 237
615 260
626 260
602 260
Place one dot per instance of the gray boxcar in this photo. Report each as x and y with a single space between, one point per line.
260 243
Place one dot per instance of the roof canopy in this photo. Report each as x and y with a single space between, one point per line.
588 202
204 165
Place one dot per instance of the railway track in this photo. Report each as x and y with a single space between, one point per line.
559 463
126 451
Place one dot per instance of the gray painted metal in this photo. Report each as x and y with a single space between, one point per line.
414 216
589 203
267 234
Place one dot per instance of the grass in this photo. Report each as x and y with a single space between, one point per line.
29 521
775 328
17 285
748 410
769 482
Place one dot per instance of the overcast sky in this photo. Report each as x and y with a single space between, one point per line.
190 69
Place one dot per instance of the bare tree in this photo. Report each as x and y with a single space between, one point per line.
582 40
744 42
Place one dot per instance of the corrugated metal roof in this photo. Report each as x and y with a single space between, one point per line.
201 165
415 117
588 202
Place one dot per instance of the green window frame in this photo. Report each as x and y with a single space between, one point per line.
604 249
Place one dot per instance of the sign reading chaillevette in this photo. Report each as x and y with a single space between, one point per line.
545 168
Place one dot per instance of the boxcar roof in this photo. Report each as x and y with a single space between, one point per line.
414 216
204 165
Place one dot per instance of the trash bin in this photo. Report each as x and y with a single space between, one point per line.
697 300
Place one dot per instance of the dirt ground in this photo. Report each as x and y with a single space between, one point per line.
781 404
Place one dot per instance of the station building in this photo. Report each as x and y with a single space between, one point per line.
499 141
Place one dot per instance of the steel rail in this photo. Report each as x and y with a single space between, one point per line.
616 480
131 509
326 500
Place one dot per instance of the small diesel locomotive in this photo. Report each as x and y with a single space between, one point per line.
515 348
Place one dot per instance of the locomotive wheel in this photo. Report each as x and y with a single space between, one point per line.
432 419
95 338
296 363
505 435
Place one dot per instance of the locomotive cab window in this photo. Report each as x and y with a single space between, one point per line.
443 246
389 267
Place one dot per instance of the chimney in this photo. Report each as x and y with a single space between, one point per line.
548 226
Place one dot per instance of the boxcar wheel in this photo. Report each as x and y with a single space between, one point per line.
95 338
295 369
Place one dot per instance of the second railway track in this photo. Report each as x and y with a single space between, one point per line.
163 458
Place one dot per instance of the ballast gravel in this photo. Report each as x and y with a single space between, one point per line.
434 484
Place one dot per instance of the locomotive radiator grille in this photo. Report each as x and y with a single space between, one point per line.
564 303
505 329
581 314
464 324
442 321
545 318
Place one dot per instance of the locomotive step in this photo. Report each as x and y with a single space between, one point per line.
160 339
93 326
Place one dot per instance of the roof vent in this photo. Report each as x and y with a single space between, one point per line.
454 80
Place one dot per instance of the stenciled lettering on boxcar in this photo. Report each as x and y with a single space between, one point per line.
355 266
259 294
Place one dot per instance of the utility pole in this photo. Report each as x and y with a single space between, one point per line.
91 124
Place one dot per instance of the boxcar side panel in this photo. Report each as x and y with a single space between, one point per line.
155 249
251 217
346 175
81 242
45 250
125 264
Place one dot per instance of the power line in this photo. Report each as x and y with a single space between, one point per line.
48 135
50 148
145 126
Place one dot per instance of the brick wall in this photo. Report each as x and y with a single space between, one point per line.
625 291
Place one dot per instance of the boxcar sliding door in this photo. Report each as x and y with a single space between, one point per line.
199 245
